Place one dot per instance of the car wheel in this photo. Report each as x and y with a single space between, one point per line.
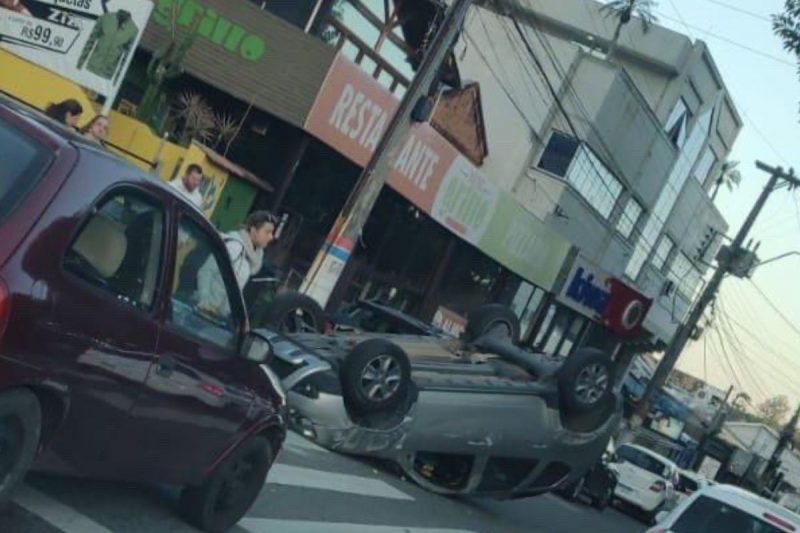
492 318
376 377
20 428
585 381
228 492
292 312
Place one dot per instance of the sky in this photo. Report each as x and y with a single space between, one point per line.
750 346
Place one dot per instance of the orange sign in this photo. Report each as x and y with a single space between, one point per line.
351 114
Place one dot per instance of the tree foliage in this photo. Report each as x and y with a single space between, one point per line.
774 410
787 26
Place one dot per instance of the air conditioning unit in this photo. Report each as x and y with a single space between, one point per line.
668 288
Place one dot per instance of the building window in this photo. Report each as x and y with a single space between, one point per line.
592 179
369 33
677 122
559 154
662 252
704 166
568 158
686 278
630 218
687 157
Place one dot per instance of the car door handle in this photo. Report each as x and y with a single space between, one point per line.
166 366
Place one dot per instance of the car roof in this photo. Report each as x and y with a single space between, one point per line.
66 136
749 502
651 453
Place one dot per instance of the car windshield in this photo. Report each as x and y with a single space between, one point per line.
19 174
708 514
642 460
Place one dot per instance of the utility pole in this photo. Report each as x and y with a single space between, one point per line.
725 263
333 256
713 429
784 440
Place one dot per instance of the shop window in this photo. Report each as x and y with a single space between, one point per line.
526 303
630 218
544 327
559 153
665 248
573 335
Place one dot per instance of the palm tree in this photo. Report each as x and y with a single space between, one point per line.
729 175
624 11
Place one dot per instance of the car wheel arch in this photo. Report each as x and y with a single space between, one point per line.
54 405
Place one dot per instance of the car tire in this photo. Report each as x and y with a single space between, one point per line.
585 381
20 431
488 317
293 312
375 376
230 490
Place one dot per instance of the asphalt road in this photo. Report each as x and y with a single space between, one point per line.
309 490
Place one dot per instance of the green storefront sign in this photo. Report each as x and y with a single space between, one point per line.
209 24
522 243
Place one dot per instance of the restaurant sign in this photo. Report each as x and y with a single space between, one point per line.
351 113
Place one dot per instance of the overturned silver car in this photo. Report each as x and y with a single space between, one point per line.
476 415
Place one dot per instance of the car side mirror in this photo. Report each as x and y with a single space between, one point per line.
256 348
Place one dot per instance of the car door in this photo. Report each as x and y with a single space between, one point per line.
197 395
101 333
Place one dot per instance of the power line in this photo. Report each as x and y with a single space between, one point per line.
732 42
775 308
739 10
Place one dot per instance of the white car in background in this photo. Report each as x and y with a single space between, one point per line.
646 480
727 509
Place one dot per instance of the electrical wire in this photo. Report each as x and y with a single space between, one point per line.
739 10
734 43
775 308
582 109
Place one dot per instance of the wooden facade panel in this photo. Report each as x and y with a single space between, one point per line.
247 52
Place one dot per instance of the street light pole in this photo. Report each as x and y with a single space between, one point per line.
333 256
684 331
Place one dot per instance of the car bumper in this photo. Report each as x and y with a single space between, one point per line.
647 501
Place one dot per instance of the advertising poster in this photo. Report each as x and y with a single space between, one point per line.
90 42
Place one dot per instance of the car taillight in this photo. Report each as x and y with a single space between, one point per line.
658 486
769 517
5 307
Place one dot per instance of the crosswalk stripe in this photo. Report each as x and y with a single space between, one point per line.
297 476
57 514
268 525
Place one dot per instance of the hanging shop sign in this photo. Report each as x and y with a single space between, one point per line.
90 42
604 298
245 51
351 114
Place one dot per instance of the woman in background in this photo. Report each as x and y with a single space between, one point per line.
96 130
67 112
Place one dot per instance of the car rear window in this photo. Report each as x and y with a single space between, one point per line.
22 164
642 460
708 514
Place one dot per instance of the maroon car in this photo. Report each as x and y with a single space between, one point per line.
117 358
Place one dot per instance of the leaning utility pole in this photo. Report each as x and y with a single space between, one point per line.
784 440
333 256
725 264
713 429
